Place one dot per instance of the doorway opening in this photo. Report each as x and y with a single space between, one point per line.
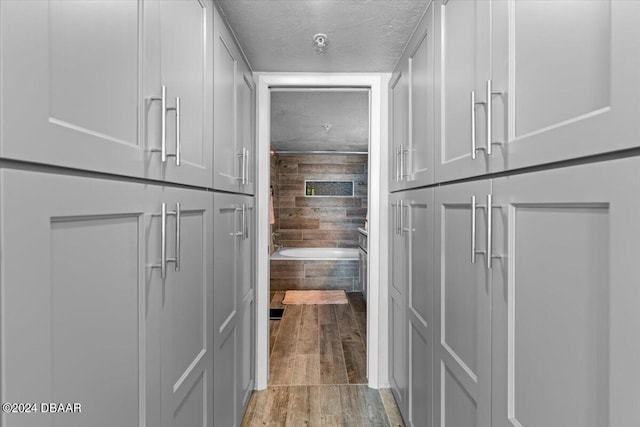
318 214
315 196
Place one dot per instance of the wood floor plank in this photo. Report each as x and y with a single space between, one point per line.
309 332
333 369
276 299
273 332
357 302
306 369
355 359
361 321
299 410
371 407
281 367
349 404
391 408
326 314
346 322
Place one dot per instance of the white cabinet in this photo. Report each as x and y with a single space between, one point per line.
234 97
87 318
565 300
79 78
463 31
551 315
411 303
234 295
512 96
462 355
412 105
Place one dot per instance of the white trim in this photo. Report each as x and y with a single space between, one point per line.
377 295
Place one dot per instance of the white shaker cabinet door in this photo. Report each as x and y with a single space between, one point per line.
399 125
246 128
227 229
80 302
419 161
565 297
419 207
462 365
567 74
226 153
187 310
398 375
71 84
186 72
463 29
246 303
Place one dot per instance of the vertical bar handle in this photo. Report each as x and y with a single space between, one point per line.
490 93
163 125
473 229
178 142
398 164
245 231
489 230
473 139
163 242
178 249
245 164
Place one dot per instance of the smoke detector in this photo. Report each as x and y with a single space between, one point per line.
320 43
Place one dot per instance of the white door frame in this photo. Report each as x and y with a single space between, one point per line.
377 296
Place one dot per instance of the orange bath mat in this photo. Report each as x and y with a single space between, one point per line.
315 297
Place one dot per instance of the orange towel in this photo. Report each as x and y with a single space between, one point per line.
272 216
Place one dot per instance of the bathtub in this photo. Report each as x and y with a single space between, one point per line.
314 268
316 253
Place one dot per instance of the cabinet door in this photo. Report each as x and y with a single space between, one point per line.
463 61
420 261
226 157
397 305
566 298
226 253
70 84
399 121
462 368
246 302
187 350
186 72
419 169
565 94
246 121
80 302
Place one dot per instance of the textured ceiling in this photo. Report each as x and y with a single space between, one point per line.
298 121
363 35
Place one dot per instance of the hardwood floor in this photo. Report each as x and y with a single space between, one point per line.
318 370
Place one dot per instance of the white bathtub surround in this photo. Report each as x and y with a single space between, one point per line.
315 254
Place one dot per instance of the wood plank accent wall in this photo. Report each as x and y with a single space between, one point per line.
320 221
275 186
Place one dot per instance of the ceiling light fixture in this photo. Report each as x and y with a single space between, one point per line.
320 43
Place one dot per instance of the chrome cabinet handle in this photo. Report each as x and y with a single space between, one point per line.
489 230
178 248
245 231
403 163
474 207
178 145
163 131
398 164
474 147
397 217
243 165
490 94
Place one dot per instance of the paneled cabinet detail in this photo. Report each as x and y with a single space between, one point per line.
84 304
487 94
412 104
533 277
234 295
234 137
122 88
411 304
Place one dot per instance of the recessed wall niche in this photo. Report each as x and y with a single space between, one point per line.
325 188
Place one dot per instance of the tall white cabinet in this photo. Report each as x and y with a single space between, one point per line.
89 315
116 87
112 260
234 288
531 230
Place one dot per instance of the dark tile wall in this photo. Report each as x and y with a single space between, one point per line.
307 221
314 274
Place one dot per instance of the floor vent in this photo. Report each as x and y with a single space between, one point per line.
276 313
